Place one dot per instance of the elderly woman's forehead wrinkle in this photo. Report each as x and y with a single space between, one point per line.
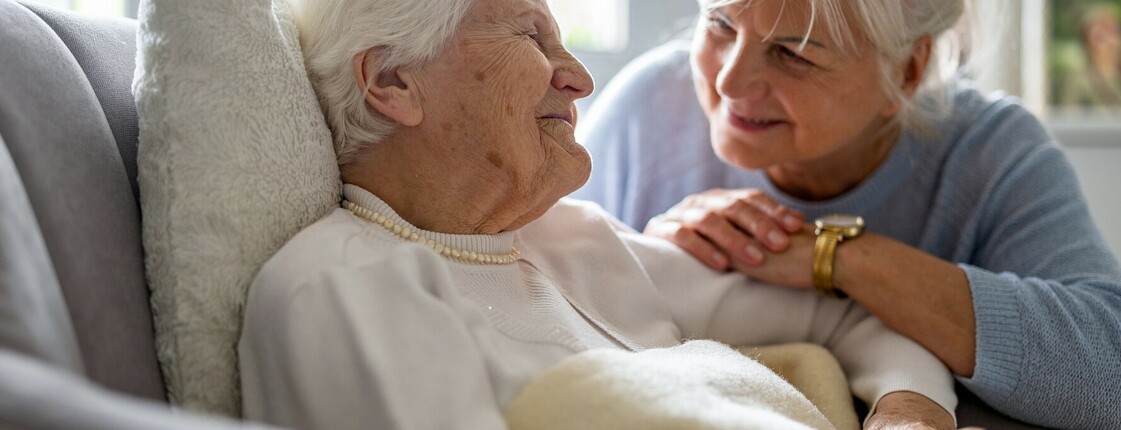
497 10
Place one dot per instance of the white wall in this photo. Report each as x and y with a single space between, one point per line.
1099 171
652 23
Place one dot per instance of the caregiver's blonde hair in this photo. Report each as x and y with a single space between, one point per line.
332 32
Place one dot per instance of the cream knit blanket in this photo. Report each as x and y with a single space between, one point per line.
697 385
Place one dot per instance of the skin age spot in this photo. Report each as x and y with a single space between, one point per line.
494 159
509 110
480 76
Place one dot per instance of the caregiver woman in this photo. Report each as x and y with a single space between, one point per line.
976 240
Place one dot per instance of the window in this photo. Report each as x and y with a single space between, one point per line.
1045 57
97 7
1084 61
592 25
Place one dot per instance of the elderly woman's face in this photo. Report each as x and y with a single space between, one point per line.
769 103
501 97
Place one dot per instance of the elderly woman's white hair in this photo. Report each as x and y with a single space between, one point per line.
332 32
892 27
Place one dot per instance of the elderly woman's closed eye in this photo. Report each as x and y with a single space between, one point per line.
455 273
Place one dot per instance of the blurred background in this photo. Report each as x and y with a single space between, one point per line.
1085 58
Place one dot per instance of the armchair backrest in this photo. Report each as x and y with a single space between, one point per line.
68 121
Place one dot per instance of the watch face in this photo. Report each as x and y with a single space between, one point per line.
842 221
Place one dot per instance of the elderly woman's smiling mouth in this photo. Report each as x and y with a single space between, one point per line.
561 116
558 110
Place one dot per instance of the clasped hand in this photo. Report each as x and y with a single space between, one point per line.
747 231
744 230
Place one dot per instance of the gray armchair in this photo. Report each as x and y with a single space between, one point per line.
76 339
76 335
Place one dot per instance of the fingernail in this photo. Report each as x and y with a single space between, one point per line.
792 221
753 253
776 239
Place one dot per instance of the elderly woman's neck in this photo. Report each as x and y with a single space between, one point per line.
433 197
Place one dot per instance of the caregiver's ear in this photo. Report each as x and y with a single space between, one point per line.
915 68
392 93
909 74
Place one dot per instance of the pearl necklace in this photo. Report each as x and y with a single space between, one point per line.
407 234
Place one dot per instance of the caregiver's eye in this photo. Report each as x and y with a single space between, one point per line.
790 56
719 22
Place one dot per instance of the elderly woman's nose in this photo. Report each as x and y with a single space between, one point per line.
741 77
570 76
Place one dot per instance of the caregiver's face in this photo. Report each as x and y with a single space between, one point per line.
504 90
770 103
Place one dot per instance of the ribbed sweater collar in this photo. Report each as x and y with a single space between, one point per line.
487 243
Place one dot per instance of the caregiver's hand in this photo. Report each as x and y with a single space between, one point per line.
721 227
790 267
906 410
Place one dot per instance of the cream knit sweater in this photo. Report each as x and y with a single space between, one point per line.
349 326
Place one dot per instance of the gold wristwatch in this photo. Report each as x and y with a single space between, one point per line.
831 231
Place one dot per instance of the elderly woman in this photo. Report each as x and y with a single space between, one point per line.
452 276
977 242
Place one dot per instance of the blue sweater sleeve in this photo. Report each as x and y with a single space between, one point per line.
648 139
1046 290
608 146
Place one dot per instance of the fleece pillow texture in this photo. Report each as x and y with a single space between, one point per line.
235 158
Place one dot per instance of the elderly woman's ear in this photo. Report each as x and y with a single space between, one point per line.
393 93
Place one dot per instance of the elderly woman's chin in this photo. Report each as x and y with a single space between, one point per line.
585 171
573 170
575 164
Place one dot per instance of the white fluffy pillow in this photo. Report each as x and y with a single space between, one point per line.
235 158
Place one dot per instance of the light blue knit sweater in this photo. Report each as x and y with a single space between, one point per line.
993 194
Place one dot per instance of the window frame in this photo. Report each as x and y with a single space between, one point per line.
1073 131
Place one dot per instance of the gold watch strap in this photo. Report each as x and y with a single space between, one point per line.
825 249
